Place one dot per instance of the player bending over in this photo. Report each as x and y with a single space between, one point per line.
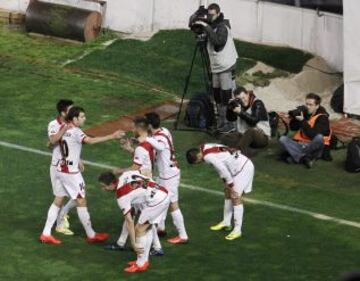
237 172
143 157
133 188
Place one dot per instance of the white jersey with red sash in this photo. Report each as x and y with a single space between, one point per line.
144 157
70 147
128 197
155 194
53 128
140 197
227 164
165 158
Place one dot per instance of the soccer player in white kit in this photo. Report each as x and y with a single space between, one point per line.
133 188
70 178
143 158
56 129
169 174
143 153
237 172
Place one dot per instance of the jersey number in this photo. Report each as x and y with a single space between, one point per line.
64 148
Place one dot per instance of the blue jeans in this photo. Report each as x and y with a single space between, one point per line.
298 150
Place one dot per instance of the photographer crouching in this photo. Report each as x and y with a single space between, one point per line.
252 122
311 123
223 56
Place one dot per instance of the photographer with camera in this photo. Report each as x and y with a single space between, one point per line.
223 56
252 122
313 133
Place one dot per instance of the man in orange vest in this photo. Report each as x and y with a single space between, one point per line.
311 123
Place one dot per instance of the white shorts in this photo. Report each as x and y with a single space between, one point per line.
57 187
172 186
243 181
154 214
74 184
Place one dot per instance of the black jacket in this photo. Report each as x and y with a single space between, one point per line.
258 113
218 38
322 124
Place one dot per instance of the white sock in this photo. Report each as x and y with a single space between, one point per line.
144 242
238 217
51 218
155 241
161 224
149 241
178 220
123 235
84 217
65 210
228 211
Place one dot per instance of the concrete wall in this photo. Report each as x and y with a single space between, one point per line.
251 20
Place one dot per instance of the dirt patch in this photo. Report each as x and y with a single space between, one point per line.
285 93
125 123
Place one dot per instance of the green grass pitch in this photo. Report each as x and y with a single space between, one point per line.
276 244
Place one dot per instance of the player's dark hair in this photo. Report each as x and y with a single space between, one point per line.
107 178
315 97
141 122
192 155
153 119
215 7
62 105
74 112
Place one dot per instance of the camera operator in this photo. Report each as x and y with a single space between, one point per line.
252 122
223 57
311 123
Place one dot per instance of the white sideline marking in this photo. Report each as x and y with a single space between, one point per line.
103 46
318 216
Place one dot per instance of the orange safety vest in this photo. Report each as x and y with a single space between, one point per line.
301 137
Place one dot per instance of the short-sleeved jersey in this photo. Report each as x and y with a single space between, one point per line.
165 156
128 197
53 128
70 147
149 196
144 157
155 194
227 164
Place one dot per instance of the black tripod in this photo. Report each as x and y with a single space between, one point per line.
205 63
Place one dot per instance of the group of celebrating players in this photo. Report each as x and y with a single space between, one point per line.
143 201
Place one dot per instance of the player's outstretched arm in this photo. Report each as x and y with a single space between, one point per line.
116 135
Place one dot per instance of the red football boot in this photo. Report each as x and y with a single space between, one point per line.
177 240
99 237
49 239
135 268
